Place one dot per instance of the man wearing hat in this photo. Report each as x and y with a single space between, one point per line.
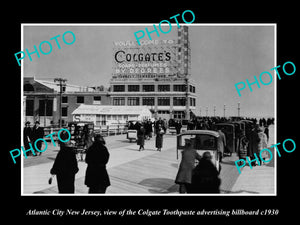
37 132
27 136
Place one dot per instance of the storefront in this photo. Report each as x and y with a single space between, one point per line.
107 115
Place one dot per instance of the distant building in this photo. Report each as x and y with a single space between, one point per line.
108 115
42 100
155 74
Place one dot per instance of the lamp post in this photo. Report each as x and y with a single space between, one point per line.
238 109
224 109
61 83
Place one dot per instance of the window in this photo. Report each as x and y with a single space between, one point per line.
29 107
148 101
179 114
179 87
163 112
97 100
28 87
64 111
163 101
133 101
192 102
119 101
64 99
163 87
119 88
133 88
80 99
45 106
148 88
179 101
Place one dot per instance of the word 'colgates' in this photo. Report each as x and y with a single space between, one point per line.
260 78
159 26
37 140
260 155
41 44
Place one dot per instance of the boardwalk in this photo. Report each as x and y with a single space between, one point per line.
146 172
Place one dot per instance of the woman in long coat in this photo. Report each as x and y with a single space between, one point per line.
96 177
65 167
205 177
187 164
159 137
141 138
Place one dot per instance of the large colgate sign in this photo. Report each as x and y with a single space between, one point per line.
153 58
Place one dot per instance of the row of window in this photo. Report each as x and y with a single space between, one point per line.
151 88
80 99
162 101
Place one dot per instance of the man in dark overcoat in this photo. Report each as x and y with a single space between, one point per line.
27 136
253 144
187 164
65 167
37 132
96 176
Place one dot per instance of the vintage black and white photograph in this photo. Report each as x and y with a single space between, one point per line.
148 109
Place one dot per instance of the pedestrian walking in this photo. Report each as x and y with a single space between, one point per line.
27 136
141 137
187 164
262 144
89 138
96 176
159 137
267 132
221 144
253 144
65 167
178 126
149 128
37 132
242 151
205 176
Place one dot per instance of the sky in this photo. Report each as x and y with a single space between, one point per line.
221 56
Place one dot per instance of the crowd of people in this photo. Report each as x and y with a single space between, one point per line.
145 130
30 135
203 178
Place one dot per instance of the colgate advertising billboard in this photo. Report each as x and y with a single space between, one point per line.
151 59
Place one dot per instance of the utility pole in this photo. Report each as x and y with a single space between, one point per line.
61 83
187 103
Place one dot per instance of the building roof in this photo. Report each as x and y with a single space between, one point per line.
111 110
69 87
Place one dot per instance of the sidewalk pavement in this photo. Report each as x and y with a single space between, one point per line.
35 178
259 179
